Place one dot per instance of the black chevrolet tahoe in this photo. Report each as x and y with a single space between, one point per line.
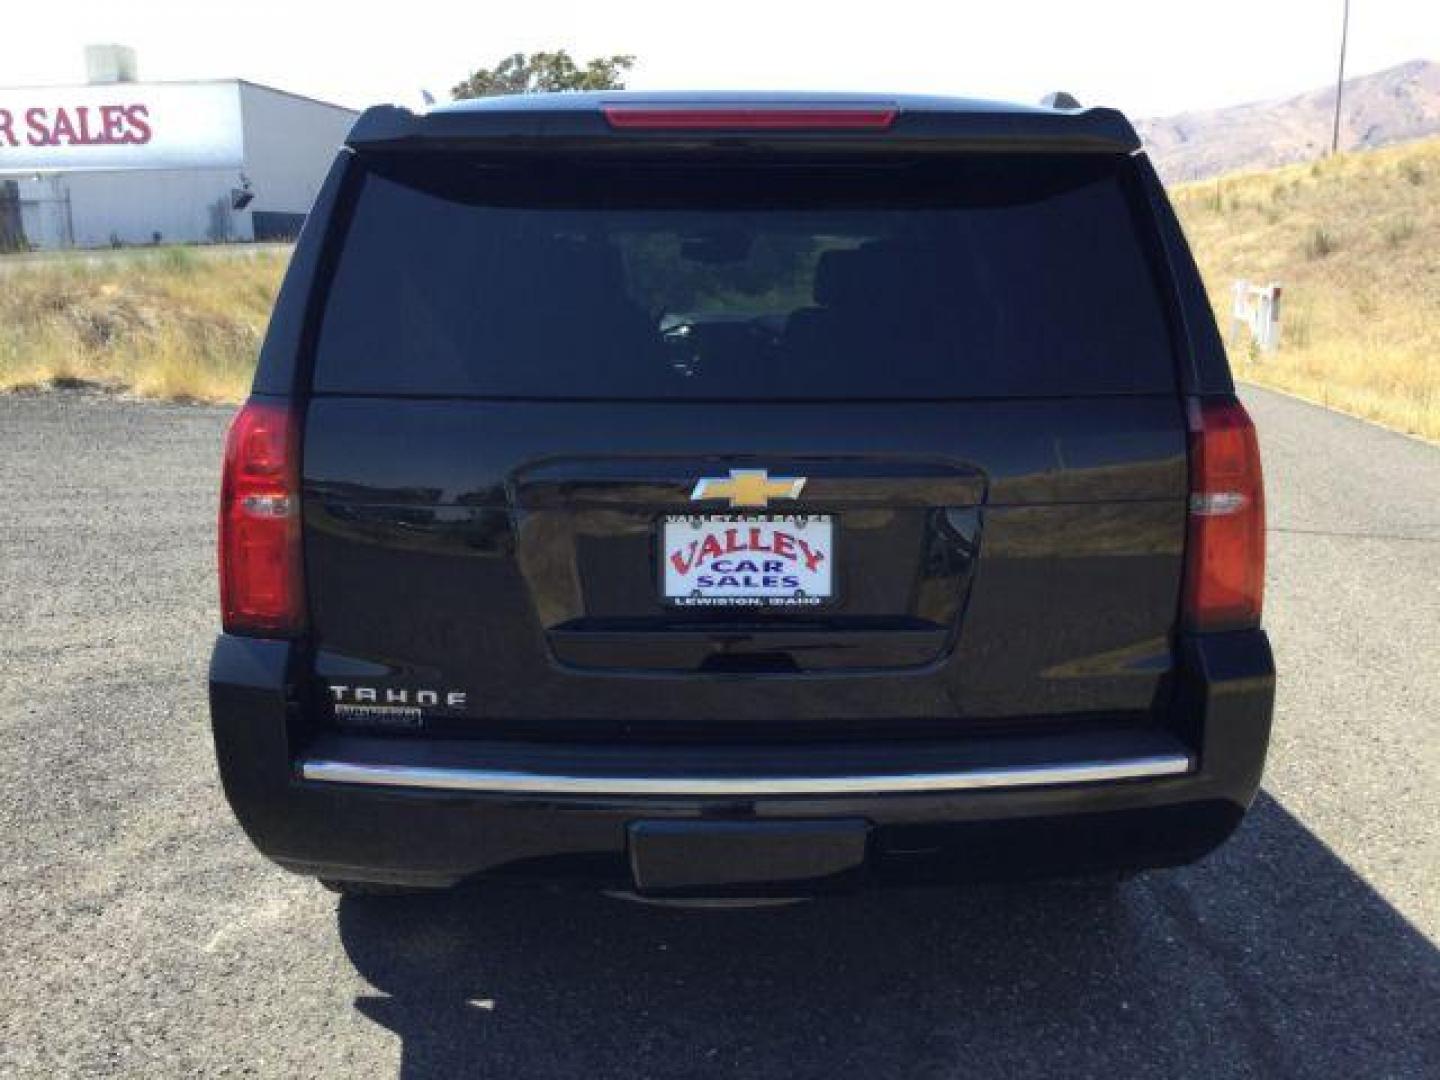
740 497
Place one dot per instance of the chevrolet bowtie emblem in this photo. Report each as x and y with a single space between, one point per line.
748 488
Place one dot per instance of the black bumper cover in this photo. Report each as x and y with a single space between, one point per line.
1222 712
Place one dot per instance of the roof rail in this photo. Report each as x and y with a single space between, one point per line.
1060 99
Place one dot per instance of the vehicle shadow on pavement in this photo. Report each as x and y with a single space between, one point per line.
1271 958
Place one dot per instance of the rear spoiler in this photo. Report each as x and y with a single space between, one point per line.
612 122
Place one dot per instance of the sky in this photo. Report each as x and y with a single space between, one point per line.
1150 58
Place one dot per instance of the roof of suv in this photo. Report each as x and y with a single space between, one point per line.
878 120
594 100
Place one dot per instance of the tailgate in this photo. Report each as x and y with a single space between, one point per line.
511 554
768 448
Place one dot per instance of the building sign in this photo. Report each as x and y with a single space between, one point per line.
120 126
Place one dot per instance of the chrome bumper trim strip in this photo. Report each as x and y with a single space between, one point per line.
527 783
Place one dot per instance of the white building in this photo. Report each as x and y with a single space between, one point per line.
117 161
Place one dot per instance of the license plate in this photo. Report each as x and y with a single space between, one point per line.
748 560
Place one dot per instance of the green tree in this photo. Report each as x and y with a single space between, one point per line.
521 74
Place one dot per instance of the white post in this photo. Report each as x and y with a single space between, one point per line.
1239 309
1257 308
1270 341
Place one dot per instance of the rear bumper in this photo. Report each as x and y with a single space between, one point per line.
399 810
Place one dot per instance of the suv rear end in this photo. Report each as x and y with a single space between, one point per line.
740 496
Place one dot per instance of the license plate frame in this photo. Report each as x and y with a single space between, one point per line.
811 533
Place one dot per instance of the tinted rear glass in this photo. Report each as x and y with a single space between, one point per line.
981 276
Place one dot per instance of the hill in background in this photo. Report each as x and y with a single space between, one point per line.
1389 106
1355 242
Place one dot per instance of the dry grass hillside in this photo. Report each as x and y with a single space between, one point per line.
1355 241
170 323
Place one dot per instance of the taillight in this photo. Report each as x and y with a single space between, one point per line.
751 117
1225 556
261 592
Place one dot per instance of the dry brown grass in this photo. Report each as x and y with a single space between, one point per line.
172 323
1355 241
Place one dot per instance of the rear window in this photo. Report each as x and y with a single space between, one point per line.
982 276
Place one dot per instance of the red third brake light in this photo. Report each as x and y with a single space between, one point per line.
260 586
750 118
1225 556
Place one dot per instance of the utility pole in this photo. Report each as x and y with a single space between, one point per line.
1340 81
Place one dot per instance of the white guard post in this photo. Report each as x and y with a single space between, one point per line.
1256 307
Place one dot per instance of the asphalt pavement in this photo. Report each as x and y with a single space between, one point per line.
141 935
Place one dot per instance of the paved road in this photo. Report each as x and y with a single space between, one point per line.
140 935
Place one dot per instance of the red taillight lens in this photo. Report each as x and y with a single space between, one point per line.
1225 557
751 118
260 585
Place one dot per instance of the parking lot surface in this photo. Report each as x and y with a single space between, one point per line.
141 935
